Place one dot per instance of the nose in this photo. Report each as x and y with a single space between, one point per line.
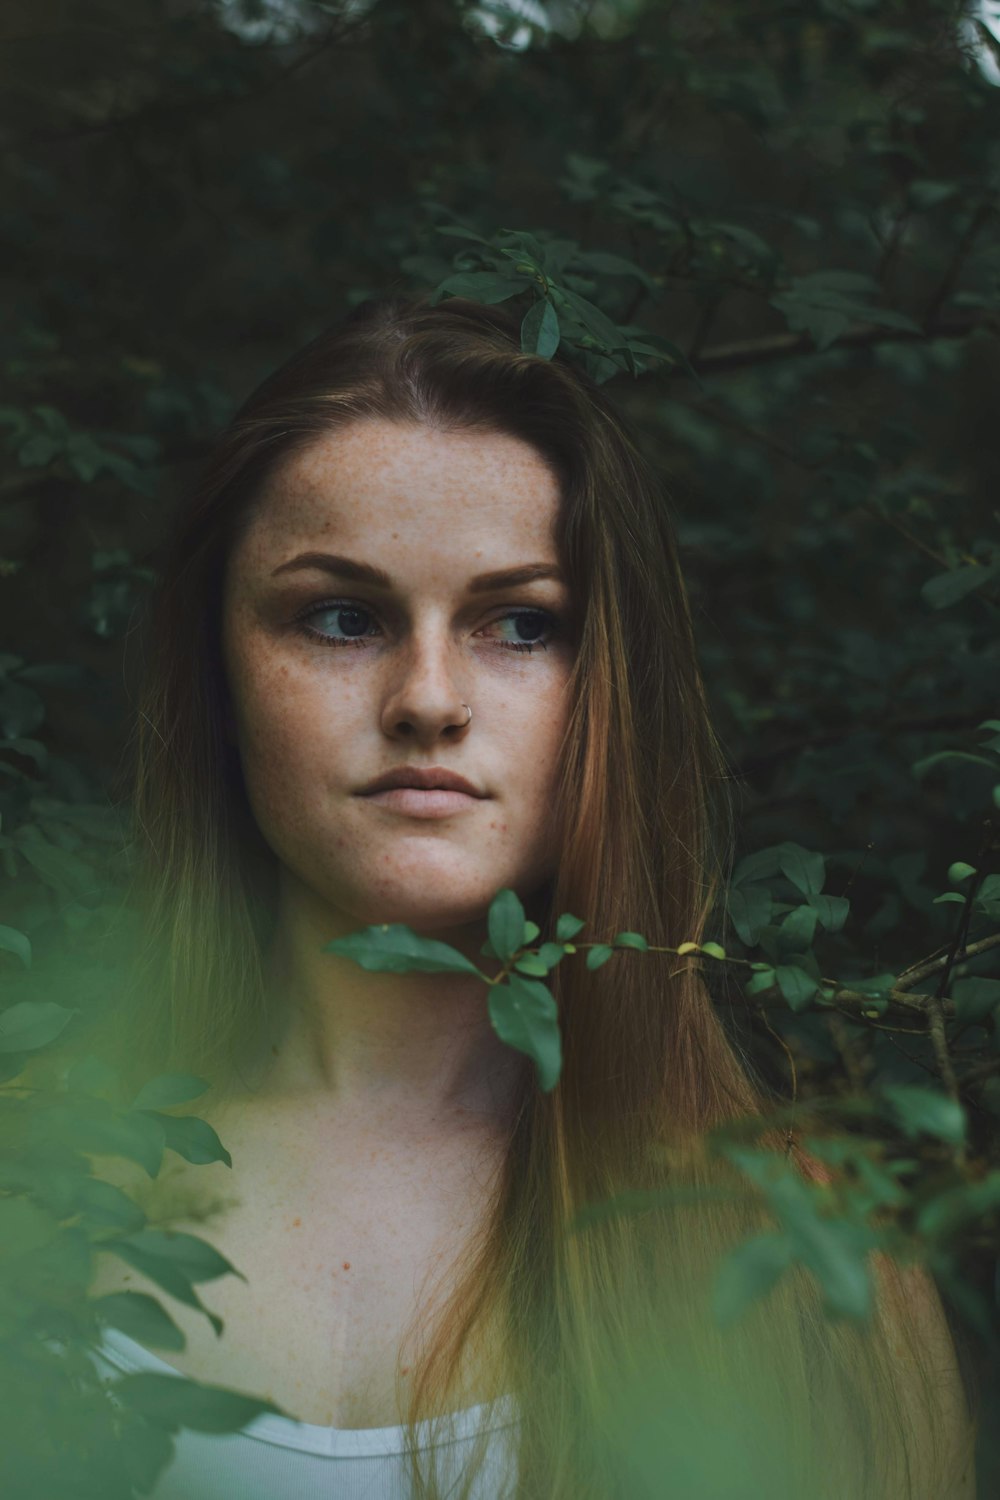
424 701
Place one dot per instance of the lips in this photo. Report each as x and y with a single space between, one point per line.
432 778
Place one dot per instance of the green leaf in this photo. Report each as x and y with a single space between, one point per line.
567 927
797 930
167 1276
531 964
875 985
481 286
827 303
25 1227
141 1317
953 1211
750 909
921 767
975 998
92 1075
598 955
948 588
136 1136
764 979
395 949
955 897
173 1401
960 871
832 911
806 871
192 1258
32 1024
614 265
631 940
524 1014
920 1111
540 329
925 193
551 954
506 923
600 327
836 1253
748 1273
531 931
168 1089
104 1207
797 987
761 865
714 950
60 869
12 941
192 1138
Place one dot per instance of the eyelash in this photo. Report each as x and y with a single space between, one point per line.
359 640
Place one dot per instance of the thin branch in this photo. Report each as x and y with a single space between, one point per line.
910 977
953 270
776 346
905 532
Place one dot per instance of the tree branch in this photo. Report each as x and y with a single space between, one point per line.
945 286
747 352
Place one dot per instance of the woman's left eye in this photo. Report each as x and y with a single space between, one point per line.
534 622
355 623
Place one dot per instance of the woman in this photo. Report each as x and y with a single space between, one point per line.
419 556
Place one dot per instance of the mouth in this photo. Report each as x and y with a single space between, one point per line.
423 779
423 802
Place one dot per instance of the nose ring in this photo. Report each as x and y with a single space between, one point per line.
469 719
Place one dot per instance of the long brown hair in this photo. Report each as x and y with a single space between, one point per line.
579 1325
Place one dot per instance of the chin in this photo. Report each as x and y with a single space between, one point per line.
426 909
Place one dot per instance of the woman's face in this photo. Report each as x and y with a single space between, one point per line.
337 677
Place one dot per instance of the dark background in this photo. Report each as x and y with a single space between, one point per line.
807 195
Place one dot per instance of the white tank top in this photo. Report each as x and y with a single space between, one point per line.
278 1458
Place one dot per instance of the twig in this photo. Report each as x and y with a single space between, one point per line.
776 346
913 976
947 282
762 1017
858 867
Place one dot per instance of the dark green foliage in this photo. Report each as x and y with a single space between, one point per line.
771 232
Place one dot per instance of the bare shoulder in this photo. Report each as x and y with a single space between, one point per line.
930 1385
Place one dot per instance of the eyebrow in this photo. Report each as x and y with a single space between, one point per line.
359 572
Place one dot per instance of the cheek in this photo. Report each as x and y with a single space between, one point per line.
530 738
288 737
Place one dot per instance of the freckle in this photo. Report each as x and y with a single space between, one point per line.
347 1265
296 1223
405 1370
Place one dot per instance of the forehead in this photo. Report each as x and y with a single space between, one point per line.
399 486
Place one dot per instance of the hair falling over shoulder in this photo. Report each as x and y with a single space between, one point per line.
626 1388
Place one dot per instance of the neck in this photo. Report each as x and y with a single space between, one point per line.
400 1055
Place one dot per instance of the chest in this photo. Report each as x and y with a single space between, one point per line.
341 1251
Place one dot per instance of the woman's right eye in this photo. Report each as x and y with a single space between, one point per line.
351 619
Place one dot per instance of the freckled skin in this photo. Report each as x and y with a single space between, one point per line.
315 722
